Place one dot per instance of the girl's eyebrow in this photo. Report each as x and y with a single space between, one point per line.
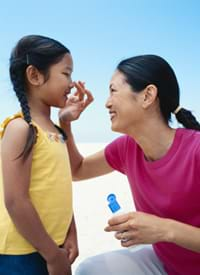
68 68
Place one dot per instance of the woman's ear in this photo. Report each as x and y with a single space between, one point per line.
34 77
149 95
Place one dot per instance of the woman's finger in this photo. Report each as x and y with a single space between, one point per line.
82 84
125 236
89 98
80 91
118 227
73 99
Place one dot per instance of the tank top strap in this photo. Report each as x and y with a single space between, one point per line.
40 131
4 124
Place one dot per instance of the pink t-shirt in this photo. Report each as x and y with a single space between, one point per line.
168 187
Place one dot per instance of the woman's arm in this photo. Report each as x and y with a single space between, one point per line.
16 179
94 165
143 228
184 235
84 168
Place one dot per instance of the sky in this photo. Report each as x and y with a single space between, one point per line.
99 35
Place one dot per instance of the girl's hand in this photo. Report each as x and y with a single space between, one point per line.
60 265
71 245
138 228
76 103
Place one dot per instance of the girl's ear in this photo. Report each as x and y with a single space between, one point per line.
149 95
34 77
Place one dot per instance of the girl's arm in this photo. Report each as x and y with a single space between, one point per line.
16 178
88 167
71 242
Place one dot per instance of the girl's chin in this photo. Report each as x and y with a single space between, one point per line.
61 104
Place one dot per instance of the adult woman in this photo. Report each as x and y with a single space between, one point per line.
144 93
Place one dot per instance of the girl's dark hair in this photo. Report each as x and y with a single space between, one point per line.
144 70
41 52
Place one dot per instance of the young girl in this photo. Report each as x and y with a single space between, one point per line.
162 165
37 229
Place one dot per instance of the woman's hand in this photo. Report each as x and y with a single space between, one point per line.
138 228
76 103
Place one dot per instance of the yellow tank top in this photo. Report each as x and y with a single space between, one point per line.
50 192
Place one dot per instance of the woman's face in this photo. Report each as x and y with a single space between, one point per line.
124 104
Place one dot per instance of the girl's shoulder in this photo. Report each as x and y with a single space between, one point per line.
15 122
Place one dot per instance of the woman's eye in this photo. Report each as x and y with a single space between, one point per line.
112 90
67 74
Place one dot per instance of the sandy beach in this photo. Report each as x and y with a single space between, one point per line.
91 210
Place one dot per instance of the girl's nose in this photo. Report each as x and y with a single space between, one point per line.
71 85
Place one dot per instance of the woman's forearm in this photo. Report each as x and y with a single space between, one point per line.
74 155
184 235
84 168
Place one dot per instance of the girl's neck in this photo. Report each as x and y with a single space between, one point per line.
40 113
154 138
39 109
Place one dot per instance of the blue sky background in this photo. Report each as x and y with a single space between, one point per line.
100 34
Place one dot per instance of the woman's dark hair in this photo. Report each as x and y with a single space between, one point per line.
41 52
144 70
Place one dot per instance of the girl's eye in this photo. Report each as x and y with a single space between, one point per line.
67 74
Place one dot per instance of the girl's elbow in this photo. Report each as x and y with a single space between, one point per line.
10 203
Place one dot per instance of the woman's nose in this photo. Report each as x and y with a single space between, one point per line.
108 103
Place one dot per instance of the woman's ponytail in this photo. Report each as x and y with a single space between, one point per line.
186 118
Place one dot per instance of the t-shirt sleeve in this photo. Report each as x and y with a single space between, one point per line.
115 154
197 158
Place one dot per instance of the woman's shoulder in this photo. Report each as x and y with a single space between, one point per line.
189 141
123 143
190 135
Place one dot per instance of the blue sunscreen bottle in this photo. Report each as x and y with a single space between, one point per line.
117 210
113 204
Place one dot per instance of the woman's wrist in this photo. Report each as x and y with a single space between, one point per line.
168 230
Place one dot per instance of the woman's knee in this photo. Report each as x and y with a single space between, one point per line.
86 267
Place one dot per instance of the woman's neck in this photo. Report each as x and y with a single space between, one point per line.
154 138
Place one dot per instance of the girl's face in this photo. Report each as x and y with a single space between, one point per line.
59 83
124 104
